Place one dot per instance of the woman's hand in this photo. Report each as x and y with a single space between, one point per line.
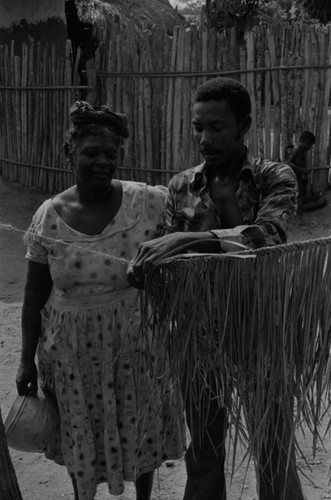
135 280
27 378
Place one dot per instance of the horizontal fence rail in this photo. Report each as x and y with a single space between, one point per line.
176 74
50 87
152 77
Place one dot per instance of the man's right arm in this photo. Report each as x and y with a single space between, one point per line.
173 241
169 223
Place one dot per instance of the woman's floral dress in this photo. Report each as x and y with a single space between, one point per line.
91 354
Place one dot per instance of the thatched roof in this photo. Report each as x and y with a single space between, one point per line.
145 13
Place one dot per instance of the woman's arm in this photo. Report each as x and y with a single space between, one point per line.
37 289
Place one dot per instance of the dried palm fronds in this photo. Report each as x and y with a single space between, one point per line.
253 328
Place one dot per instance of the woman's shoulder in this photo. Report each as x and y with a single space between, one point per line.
41 220
63 198
44 218
56 201
158 190
144 189
140 199
42 210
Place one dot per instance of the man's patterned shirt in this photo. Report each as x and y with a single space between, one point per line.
266 192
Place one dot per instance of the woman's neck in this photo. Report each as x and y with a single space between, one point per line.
88 196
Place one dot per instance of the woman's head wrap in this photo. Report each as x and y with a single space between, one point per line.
82 113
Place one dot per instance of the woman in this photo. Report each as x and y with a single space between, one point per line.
79 308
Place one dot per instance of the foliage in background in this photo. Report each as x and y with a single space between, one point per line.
244 14
241 14
277 11
319 9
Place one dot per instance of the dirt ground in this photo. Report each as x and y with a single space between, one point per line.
40 479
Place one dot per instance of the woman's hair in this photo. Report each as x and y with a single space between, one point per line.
228 90
87 120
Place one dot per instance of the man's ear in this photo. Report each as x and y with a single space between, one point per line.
245 123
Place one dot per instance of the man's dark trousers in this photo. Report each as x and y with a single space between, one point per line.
205 457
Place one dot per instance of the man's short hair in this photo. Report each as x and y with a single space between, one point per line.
307 136
225 89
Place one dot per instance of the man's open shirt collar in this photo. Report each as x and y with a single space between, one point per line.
198 178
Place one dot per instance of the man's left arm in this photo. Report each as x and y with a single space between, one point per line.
277 207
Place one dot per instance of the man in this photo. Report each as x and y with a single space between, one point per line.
239 201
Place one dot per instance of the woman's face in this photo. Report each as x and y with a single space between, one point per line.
95 160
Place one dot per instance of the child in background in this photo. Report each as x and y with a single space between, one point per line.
298 161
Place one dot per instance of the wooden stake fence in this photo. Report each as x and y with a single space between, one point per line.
287 73
152 77
35 95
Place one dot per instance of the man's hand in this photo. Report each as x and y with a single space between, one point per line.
26 378
151 251
155 250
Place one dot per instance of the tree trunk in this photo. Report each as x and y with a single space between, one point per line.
9 489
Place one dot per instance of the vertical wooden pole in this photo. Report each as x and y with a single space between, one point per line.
9 489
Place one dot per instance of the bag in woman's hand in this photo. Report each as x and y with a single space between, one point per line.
33 424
